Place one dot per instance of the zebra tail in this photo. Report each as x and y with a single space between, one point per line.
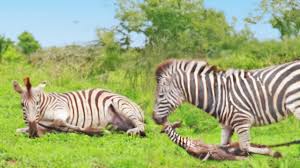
284 144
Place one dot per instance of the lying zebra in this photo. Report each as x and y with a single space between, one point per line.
238 99
200 150
86 111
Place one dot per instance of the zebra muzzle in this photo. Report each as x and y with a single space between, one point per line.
159 120
33 131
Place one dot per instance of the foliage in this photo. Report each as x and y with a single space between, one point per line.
12 54
284 16
4 45
288 24
78 58
176 27
27 43
111 52
87 61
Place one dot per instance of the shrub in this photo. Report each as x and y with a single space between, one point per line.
12 54
4 45
27 43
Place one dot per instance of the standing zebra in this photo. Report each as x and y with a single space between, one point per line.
84 111
238 99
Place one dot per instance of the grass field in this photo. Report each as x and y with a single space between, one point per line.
116 149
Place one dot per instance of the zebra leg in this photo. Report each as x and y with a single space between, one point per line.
297 113
58 123
138 125
244 138
60 120
41 130
226 135
22 130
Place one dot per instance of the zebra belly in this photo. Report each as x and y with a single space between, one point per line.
119 122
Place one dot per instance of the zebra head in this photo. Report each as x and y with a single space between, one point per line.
30 102
168 95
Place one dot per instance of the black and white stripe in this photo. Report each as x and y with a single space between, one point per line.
239 99
203 151
82 110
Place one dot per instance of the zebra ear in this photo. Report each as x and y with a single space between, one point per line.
42 85
27 83
17 87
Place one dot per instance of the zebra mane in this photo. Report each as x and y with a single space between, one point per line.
168 63
162 67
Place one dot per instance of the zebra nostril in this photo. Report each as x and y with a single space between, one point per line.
159 120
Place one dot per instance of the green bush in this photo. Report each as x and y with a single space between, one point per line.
27 43
12 54
5 43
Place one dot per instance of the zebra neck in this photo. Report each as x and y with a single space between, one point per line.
207 92
44 102
50 101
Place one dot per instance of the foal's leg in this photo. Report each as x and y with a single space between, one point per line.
22 130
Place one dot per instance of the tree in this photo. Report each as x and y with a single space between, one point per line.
288 24
285 16
109 59
27 43
175 26
4 45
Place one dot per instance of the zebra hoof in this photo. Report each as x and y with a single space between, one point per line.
136 131
142 134
92 131
277 155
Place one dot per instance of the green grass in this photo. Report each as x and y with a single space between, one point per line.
116 149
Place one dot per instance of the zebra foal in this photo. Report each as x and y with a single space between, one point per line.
85 111
200 150
239 99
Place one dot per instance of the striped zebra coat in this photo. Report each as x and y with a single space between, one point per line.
86 111
200 150
239 99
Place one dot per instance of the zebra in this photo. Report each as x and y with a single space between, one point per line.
200 150
86 111
238 99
